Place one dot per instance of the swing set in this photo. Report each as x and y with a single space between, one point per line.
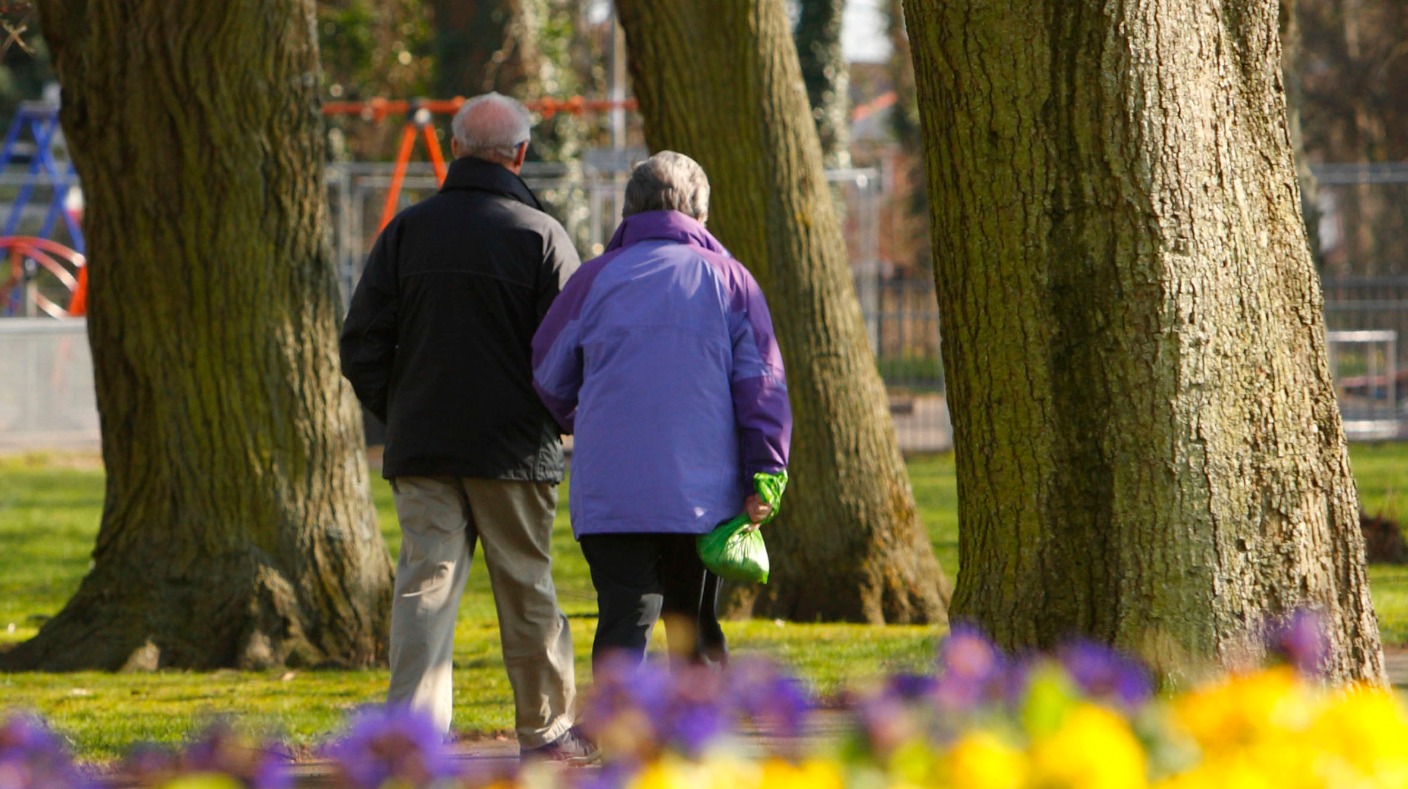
38 272
418 123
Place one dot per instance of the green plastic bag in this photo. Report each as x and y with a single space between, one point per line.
732 552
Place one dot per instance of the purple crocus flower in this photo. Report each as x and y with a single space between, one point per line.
623 684
912 687
628 706
1300 640
695 722
885 723
1106 674
33 756
221 750
972 671
386 743
768 697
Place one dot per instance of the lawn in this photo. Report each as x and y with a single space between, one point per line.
49 510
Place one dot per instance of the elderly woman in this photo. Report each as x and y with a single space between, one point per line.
660 357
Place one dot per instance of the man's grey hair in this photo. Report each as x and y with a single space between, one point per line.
491 126
668 181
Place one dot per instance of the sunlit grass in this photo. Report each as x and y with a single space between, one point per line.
49 511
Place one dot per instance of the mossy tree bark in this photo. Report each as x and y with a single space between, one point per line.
523 49
827 76
237 527
481 47
720 82
1149 449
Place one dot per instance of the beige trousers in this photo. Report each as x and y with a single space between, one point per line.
441 520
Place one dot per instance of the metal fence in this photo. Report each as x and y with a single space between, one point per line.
901 316
46 390
1364 318
46 385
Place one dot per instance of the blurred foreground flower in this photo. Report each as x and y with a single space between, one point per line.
635 712
31 755
388 746
1082 717
219 757
1300 640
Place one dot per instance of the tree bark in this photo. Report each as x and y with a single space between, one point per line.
720 82
1148 446
237 525
1291 61
523 49
481 47
1354 108
827 76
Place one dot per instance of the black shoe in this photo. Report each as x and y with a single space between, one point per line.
572 748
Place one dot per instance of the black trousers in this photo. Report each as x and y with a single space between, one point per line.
640 578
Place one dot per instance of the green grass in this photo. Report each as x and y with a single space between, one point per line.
1381 474
49 510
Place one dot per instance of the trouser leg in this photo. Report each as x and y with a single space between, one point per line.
713 647
691 625
437 541
628 596
514 523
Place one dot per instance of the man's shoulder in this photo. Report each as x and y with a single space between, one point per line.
468 205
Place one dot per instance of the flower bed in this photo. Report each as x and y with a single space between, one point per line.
1084 717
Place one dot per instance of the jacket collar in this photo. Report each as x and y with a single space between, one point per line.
482 175
663 226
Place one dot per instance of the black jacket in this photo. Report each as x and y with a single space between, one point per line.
438 340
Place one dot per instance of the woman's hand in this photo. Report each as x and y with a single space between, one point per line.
757 510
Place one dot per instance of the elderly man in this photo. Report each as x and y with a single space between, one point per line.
660 356
437 346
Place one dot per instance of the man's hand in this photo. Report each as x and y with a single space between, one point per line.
757 511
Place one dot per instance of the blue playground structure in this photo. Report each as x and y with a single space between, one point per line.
35 129
38 272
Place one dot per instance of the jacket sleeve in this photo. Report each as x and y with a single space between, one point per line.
560 262
759 385
369 335
557 355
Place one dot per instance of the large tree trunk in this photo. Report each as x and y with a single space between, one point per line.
720 81
484 46
1354 108
1291 65
237 528
827 76
1149 450
523 49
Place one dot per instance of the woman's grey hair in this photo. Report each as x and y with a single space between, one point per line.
668 181
491 126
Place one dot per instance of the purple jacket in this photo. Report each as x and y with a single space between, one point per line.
660 357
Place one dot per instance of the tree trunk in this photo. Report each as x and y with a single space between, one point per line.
827 76
909 233
523 49
1354 107
484 46
720 82
237 527
1291 61
1149 450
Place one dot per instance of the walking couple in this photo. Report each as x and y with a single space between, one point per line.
478 337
